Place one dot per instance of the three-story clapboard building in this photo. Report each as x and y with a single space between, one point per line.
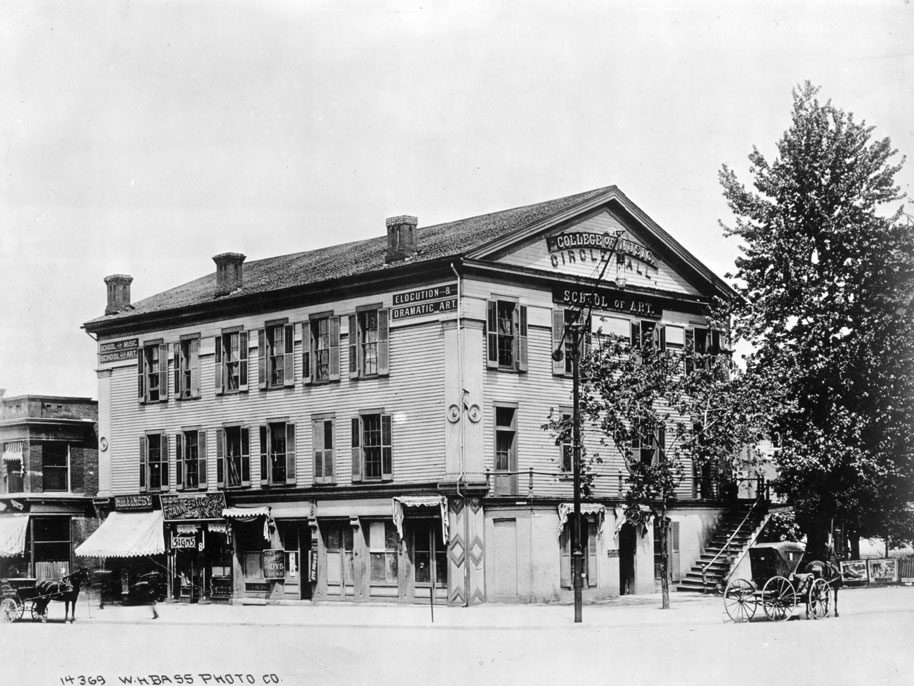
365 420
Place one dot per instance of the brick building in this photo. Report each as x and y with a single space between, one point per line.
48 478
364 421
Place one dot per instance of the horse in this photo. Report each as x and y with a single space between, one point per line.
67 590
830 570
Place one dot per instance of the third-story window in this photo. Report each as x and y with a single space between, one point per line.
506 336
152 372
323 441
321 349
275 355
190 459
154 462
372 454
233 457
187 368
277 453
55 466
231 362
368 343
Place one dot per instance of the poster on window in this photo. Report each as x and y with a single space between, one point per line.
274 564
882 571
854 571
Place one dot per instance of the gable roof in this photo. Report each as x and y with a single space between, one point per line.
474 236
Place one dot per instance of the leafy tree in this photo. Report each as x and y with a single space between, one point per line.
826 274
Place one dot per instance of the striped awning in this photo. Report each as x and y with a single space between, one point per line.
399 502
12 534
126 534
245 512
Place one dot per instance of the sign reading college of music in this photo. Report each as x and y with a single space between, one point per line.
608 301
184 506
116 351
424 301
574 247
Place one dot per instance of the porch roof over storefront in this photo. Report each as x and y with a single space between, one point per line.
399 502
12 534
126 534
245 512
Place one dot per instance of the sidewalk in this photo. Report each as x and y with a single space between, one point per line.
684 607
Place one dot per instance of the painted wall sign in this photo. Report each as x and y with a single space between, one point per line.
184 506
573 247
425 301
610 301
274 564
115 351
126 503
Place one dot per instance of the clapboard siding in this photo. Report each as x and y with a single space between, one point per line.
413 394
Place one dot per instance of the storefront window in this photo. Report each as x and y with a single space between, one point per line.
382 546
429 552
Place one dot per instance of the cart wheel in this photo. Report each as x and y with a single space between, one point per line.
778 597
41 614
10 610
819 599
739 600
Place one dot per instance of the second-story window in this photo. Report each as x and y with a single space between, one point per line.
565 442
275 355
187 368
190 459
231 361
506 336
322 436
233 457
277 454
368 342
648 445
55 466
152 372
372 450
321 349
154 462
505 450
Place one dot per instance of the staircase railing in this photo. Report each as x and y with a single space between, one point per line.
760 500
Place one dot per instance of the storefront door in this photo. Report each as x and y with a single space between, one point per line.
338 543
296 542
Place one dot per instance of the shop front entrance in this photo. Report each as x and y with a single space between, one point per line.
338 543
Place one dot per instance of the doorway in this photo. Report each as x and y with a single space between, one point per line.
338 544
504 558
627 544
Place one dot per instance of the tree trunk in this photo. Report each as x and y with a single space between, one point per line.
817 538
854 541
664 564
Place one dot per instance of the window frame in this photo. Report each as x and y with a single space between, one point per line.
186 367
322 455
589 527
385 446
225 365
271 458
152 372
495 338
650 452
382 549
55 469
185 458
224 458
313 350
358 345
146 464
505 478
276 355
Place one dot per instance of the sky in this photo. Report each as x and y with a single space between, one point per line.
144 137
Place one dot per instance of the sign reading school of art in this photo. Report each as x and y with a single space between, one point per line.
608 301
115 351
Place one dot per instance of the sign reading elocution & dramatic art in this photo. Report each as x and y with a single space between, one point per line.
425 301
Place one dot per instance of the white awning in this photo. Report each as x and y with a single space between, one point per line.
402 501
588 509
245 512
12 534
126 534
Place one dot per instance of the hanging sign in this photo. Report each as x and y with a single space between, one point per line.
182 541
425 301
116 351
608 301
274 564
127 503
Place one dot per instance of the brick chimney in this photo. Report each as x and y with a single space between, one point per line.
228 272
118 292
401 237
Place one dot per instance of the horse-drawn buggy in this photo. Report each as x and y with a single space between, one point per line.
16 594
777 586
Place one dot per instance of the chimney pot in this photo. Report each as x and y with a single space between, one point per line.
228 272
118 292
401 237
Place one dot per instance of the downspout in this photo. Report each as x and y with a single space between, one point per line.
466 501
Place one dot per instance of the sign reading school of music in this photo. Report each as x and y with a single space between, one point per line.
367 425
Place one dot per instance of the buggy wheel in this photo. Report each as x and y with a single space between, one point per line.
778 597
10 610
39 613
818 598
739 600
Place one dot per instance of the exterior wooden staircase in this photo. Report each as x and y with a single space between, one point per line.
737 529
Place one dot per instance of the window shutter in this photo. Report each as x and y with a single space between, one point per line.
356 449
288 357
558 329
492 335
660 336
353 347
386 448
520 317
144 447
328 449
243 363
290 453
220 367
245 457
179 461
383 343
194 363
264 437
261 358
163 448
565 552
307 349
317 437
140 369
220 458
163 372
334 325
176 366
689 350
590 562
660 453
201 458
